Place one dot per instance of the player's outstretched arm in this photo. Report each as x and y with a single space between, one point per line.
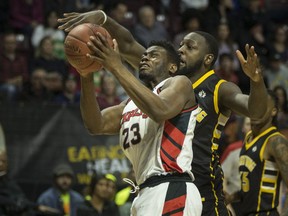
175 95
106 121
258 93
130 49
231 95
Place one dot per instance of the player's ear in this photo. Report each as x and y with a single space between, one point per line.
172 68
208 59
274 111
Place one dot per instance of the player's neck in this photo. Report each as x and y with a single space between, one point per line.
256 130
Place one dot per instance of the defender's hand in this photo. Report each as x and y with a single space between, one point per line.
251 65
73 19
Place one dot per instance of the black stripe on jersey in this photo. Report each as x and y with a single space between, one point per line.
271 172
174 212
176 192
172 140
181 121
167 155
268 184
216 140
220 127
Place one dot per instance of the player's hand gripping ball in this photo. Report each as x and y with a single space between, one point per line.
76 47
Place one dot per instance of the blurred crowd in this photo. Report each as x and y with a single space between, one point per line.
33 67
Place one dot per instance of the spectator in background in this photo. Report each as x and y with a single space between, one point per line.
279 43
200 5
25 15
45 58
219 11
282 116
254 11
34 90
108 94
226 69
276 72
49 28
111 186
53 84
61 6
226 44
118 10
70 94
99 203
191 21
61 196
148 28
13 68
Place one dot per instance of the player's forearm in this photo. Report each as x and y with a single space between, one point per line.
257 103
143 97
120 33
129 48
89 106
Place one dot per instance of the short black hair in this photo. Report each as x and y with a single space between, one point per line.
212 44
172 53
94 181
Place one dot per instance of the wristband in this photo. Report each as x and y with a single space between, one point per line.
105 17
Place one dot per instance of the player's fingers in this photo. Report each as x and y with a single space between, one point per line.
67 18
252 51
91 46
115 45
94 57
72 14
240 57
247 49
102 39
96 44
70 24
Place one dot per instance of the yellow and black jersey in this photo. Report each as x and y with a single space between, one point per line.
210 122
260 178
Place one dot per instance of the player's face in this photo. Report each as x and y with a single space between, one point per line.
153 64
268 117
64 182
101 189
192 53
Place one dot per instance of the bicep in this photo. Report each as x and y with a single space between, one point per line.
232 98
111 119
176 97
279 151
132 54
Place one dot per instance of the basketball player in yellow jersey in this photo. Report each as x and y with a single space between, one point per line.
263 164
216 97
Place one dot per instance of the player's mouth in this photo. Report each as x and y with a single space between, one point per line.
143 66
182 63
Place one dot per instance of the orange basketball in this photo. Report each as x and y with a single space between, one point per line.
76 48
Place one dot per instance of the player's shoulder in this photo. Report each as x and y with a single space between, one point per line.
184 80
278 138
228 89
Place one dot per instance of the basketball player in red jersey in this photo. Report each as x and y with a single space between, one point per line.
156 128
